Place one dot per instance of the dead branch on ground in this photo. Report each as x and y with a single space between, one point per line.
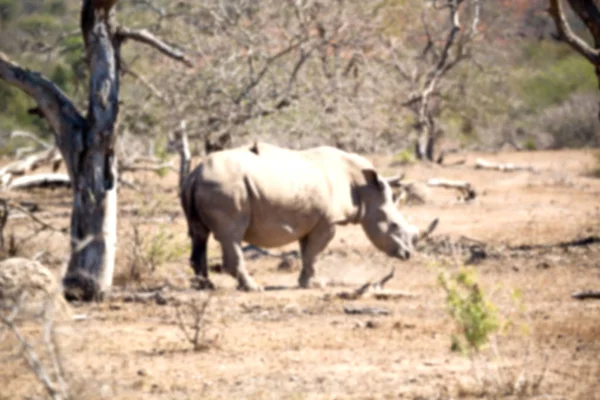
586 241
586 294
28 164
504 167
375 289
362 310
465 188
40 181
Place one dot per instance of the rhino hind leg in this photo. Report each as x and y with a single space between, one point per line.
199 262
310 246
233 263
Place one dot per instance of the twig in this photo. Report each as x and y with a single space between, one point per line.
145 82
36 219
373 288
198 313
379 285
587 294
32 359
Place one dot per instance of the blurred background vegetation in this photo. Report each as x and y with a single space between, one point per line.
302 73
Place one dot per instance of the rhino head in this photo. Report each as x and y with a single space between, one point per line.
383 224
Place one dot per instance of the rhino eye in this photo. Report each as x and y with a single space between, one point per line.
394 227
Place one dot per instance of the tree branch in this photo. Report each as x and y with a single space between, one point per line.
264 70
56 107
588 12
562 25
144 36
145 82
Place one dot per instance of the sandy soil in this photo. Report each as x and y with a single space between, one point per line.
301 344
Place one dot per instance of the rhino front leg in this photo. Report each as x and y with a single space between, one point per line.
233 263
310 246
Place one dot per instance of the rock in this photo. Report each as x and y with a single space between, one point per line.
30 284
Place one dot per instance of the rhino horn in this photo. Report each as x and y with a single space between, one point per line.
395 181
429 230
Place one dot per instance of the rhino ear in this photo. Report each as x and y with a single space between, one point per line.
373 178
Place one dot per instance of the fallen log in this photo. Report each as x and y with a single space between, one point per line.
480 163
465 189
40 180
29 163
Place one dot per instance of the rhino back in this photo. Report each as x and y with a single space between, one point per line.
284 193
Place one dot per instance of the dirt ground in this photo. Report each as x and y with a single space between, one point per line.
302 344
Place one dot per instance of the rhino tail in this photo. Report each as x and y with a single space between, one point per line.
195 224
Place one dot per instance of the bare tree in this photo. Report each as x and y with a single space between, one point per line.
87 143
589 14
290 72
447 44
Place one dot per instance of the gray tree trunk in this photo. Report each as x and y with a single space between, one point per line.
87 144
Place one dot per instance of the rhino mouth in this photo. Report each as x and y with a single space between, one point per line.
403 251
403 254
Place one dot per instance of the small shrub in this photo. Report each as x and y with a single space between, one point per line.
192 321
573 123
530 144
149 252
8 10
475 317
556 81
405 157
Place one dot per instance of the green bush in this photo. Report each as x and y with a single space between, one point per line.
404 157
553 83
38 24
574 123
474 316
8 10
14 105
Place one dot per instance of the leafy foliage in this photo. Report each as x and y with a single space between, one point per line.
474 316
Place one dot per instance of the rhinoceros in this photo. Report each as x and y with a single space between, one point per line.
270 196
